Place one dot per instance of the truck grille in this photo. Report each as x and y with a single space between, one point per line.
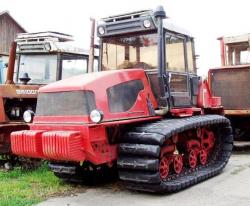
65 103
232 85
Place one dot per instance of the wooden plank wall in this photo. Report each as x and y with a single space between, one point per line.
8 31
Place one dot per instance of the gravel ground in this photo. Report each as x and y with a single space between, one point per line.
229 188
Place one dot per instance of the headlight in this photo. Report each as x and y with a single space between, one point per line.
96 116
101 30
15 112
146 23
28 116
47 46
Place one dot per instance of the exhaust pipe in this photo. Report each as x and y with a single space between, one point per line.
92 47
11 65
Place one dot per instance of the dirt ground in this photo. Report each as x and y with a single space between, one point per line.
230 188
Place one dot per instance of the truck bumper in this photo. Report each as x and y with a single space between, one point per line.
56 145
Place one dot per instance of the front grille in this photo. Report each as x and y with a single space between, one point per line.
32 48
127 26
65 103
131 25
232 85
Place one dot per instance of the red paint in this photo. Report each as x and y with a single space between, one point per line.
164 168
73 143
168 149
205 98
222 51
78 139
99 82
178 163
193 144
27 143
203 156
192 158
185 112
63 145
207 139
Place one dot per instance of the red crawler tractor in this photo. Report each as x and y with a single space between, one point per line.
152 119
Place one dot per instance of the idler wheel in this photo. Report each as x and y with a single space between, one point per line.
192 159
178 163
203 157
164 168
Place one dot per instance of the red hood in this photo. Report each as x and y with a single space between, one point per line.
92 80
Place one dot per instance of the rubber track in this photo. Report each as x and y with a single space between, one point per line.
138 160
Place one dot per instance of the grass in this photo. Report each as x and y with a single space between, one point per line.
24 188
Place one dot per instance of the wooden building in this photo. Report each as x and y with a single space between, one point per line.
9 27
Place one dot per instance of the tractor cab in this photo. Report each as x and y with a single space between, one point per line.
147 40
46 57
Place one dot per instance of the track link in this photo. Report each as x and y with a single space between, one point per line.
139 150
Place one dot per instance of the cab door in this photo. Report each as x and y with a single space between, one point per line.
180 70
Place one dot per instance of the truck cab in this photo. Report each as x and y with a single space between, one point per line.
48 57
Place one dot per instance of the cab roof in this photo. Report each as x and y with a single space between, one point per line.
143 14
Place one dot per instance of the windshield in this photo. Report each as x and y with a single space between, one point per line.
40 68
73 65
135 51
238 54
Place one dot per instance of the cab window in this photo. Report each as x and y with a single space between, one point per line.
134 51
175 53
73 65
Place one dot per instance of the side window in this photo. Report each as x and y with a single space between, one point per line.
73 65
175 53
190 56
122 97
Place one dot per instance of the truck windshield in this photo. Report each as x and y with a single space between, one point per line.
135 51
73 65
40 68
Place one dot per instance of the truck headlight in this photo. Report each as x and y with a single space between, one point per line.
28 116
47 46
15 112
147 23
101 30
96 116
